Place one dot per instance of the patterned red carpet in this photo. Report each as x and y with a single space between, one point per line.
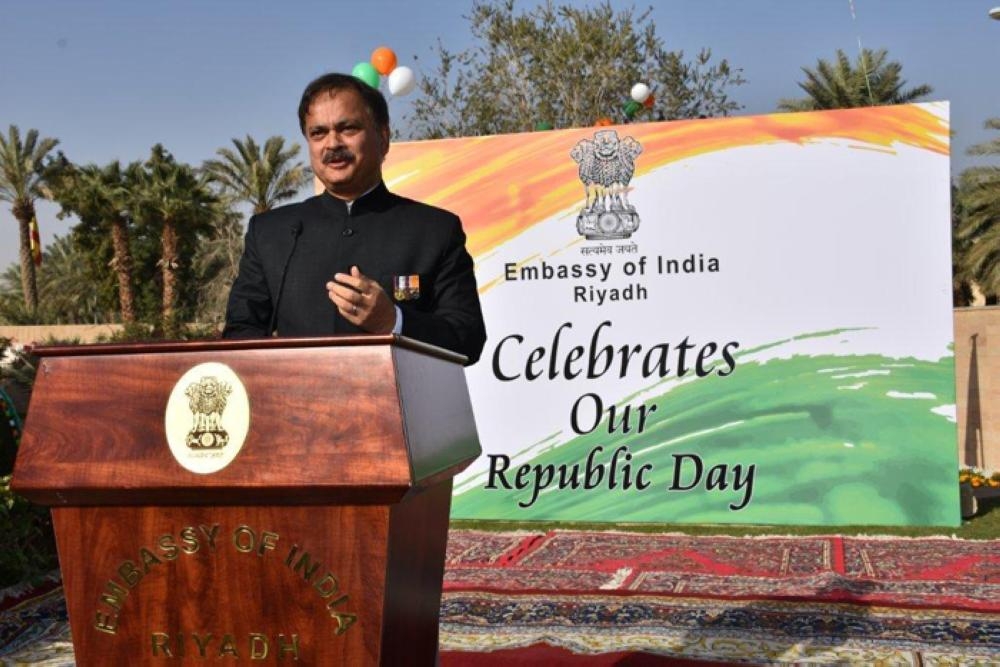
753 600
618 598
33 624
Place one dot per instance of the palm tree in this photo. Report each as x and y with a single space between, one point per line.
871 81
262 178
979 191
22 166
101 198
174 199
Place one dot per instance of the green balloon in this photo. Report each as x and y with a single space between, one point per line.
543 125
367 73
631 109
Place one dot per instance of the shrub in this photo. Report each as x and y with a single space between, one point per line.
25 526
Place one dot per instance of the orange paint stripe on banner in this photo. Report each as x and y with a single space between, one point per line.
502 185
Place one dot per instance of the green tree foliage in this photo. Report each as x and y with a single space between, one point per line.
12 307
25 525
979 231
961 278
29 527
260 176
66 293
22 170
216 263
841 85
101 197
564 65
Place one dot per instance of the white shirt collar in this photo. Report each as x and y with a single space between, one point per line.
351 203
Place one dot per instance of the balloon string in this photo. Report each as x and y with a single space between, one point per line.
861 51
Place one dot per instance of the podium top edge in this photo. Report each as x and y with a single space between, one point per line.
232 345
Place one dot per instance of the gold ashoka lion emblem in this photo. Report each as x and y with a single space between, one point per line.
207 398
207 418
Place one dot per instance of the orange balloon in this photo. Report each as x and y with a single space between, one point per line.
649 101
383 60
602 121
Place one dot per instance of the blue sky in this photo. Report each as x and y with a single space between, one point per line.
110 79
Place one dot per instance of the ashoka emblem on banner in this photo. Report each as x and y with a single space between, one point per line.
607 164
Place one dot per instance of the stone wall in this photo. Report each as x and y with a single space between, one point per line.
85 333
977 385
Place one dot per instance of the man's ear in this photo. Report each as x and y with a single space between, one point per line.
384 140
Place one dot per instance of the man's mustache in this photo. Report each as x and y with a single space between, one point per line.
339 154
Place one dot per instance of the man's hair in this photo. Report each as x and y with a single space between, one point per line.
334 81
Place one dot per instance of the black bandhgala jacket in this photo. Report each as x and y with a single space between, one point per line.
386 236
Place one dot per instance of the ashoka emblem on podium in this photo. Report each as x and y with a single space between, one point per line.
207 400
207 418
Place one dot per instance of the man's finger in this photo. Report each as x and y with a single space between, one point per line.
346 294
348 308
347 279
344 291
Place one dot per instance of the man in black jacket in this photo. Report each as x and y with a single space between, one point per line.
356 258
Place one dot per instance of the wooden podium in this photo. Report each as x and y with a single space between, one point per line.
320 542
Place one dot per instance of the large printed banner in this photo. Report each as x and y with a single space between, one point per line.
737 320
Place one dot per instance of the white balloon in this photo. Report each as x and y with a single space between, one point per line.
640 92
402 80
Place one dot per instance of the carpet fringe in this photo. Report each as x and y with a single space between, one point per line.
623 530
